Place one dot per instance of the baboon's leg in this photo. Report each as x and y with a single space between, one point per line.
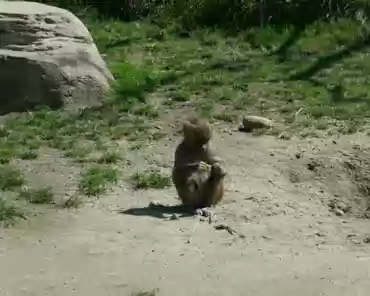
190 194
214 191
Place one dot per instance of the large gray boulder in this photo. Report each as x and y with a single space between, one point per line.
47 57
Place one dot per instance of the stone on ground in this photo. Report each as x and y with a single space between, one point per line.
252 122
47 57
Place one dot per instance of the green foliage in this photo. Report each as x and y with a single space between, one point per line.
95 180
10 178
9 212
38 196
110 157
151 179
132 83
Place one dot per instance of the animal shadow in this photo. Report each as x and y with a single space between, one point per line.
159 211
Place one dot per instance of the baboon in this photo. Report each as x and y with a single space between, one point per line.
197 172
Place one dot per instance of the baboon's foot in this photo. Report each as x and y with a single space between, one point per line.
204 212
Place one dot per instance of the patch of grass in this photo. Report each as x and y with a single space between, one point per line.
28 154
239 73
9 212
151 179
38 196
72 202
6 155
157 135
209 68
227 117
10 178
179 96
109 157
131 84
78 153
68 131
205 109
95 181
136 146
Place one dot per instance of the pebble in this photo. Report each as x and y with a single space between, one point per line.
338 212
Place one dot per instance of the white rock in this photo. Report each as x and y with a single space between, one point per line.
255 122
47 57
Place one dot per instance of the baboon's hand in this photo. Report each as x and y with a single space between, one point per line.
204 167
218 170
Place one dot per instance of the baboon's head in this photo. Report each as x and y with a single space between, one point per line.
197 132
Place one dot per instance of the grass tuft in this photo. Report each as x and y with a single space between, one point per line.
10 178
9 213
95 181
110 157
151 179
38 196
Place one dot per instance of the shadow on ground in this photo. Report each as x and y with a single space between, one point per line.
158 211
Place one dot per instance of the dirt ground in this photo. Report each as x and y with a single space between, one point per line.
298 219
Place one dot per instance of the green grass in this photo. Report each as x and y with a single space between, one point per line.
219 75
150 179
38 196
10 178
9 213
310 90
110 157
222 76
97 179
28 154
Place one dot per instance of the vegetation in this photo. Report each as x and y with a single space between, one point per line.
38 196
10 178
95 180
303 64
151 179
9 212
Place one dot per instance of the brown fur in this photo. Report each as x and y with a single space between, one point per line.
197 173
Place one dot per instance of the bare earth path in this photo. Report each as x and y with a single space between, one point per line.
287 240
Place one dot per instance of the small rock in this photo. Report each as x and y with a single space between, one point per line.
338 212
356 242
212 218
284 136
367 240
199 212
204 212
250 123
174 217
155 204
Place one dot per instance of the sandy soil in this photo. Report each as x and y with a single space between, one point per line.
286 239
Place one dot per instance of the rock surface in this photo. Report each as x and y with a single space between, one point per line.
252 122
47 57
